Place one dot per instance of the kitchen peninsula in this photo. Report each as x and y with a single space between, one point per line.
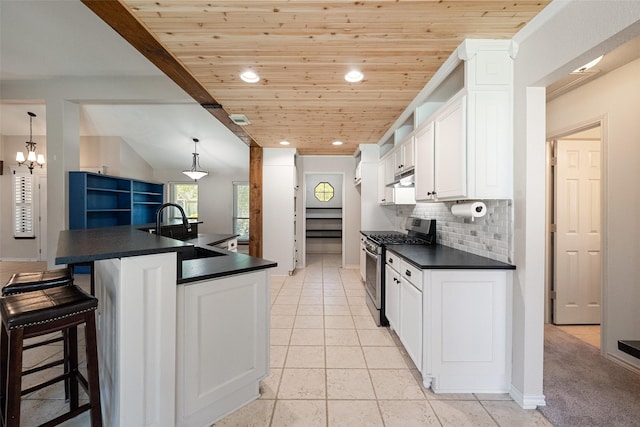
183 328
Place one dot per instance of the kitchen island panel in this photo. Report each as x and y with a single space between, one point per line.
223 345
137 339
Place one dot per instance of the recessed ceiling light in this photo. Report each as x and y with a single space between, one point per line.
284 143
250 76
354 76
336 143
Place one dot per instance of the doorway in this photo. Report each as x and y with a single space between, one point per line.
575 276
323 216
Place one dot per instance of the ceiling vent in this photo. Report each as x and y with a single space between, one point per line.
239 119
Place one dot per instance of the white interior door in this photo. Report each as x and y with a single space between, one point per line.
577 264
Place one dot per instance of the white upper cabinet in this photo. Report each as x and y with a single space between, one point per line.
404 157
424 170
441 148
450 151
464 149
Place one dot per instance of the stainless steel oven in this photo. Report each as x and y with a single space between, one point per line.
374 280
419 232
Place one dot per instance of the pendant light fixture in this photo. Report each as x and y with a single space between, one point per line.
32 160
196 172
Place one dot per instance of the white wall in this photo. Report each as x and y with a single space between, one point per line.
114 156
615 97
215 196
566 35
351 208
10 248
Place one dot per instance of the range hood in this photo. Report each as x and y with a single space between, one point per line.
403 180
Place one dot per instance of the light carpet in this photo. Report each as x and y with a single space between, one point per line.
582 388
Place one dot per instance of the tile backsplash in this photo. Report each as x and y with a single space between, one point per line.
489 236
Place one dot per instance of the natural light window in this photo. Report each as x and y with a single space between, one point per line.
323 191
241 210
185 195
23 206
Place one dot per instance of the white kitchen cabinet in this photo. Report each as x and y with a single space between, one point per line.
389 168
404 157
403 304
472 133
441 170
385 194
454 324
450 151
424 174
392 292
466 332
411 311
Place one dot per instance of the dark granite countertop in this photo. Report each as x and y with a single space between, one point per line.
81 246
444 257
194 270
93 244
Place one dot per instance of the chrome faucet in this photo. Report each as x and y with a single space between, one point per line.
185 221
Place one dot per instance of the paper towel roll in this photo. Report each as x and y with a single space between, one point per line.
471 210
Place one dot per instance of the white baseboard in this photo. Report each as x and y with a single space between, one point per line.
527 401
22 259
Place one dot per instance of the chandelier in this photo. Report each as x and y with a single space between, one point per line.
196 172
31 160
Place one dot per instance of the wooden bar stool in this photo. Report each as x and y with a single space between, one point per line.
40 312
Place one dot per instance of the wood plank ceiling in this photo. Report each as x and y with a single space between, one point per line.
302 49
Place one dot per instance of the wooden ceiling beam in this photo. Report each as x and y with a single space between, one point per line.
118 17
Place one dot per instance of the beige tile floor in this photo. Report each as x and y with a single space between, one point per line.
330 366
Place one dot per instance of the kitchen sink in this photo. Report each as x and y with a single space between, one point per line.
188 259
196 252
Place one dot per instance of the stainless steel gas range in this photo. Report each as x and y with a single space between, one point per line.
419 232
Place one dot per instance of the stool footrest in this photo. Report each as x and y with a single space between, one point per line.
41 343
45 384
64 417
43 367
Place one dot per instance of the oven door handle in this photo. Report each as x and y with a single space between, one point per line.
374 255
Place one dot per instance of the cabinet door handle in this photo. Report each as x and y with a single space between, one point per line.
407 273
390 261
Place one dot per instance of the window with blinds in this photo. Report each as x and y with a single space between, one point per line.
23 206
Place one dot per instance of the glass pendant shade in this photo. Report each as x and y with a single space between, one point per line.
20 157
31 156
196 172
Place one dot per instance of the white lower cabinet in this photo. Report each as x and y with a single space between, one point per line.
403 304
454 324
467 334
392 297
411 320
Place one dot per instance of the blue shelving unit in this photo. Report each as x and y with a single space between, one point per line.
97 200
